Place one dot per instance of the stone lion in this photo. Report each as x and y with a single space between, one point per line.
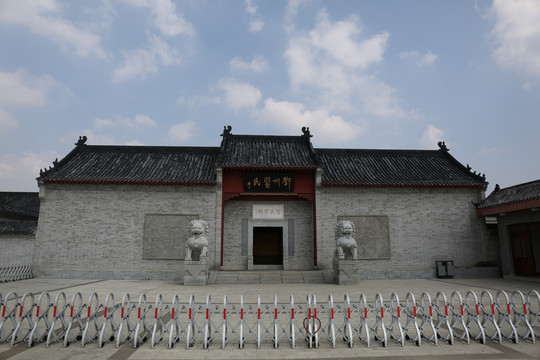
346 248
197 242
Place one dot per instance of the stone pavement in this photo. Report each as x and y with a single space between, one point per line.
475 350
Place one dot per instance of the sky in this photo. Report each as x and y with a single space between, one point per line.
384 74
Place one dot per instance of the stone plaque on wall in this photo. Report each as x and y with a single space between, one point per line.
372 236
165 236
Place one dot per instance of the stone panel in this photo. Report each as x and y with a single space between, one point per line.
165 236
372 236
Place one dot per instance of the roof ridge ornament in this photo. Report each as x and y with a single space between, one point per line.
306 132
442 146
226 130
82 141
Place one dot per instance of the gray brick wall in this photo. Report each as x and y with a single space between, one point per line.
16 250
96 231
424 224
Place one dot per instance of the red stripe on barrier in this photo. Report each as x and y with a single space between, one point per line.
493 309
156 313
275 313
54 312
315 313
4 311
446 309
508 305
224 314
37 311
259 314
365 313
309 313
477 311
525 308
206 313
292 313
105 313
172 313
189 313
332 312
89 311
20 312
139 313
382 312
242 314
122 315
71 312
461 309
398 312
430 311
415 311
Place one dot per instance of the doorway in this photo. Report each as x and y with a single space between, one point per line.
267 245
525 245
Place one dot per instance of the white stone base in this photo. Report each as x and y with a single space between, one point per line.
346 272
196 272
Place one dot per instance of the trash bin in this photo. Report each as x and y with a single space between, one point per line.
445 269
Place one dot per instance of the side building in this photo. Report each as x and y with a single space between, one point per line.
271 203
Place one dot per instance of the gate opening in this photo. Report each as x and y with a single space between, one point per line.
268 245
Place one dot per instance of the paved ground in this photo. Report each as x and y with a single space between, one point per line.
492 350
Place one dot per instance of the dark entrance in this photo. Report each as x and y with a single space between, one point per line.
525 242
267 246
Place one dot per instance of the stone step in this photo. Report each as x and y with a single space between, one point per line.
269 277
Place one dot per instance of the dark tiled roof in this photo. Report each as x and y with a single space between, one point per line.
18 227
357 167
19 205
255 151
513 194
135 165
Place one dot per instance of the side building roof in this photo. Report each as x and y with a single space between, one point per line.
518 197
19 213
197 165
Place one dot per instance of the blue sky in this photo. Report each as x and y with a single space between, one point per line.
361 74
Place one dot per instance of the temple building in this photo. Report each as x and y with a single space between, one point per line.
271 204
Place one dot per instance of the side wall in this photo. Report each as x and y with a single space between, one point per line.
424 225
97 231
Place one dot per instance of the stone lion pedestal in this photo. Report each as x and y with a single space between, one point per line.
196 272
346 272
345 256
196 263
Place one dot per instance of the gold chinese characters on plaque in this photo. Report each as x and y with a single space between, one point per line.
269 182
271 211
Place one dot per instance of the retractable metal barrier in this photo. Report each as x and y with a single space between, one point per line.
16 273
503 317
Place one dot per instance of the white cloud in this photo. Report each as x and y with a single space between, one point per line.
256 25
44 18
291 116
134 143
181 133
138 121
250 8
517 35
139 62
337 40
19 172
239 95
258 64
420 59
431 137
166 19
329 65
19 90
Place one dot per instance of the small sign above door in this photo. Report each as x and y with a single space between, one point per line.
269 212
